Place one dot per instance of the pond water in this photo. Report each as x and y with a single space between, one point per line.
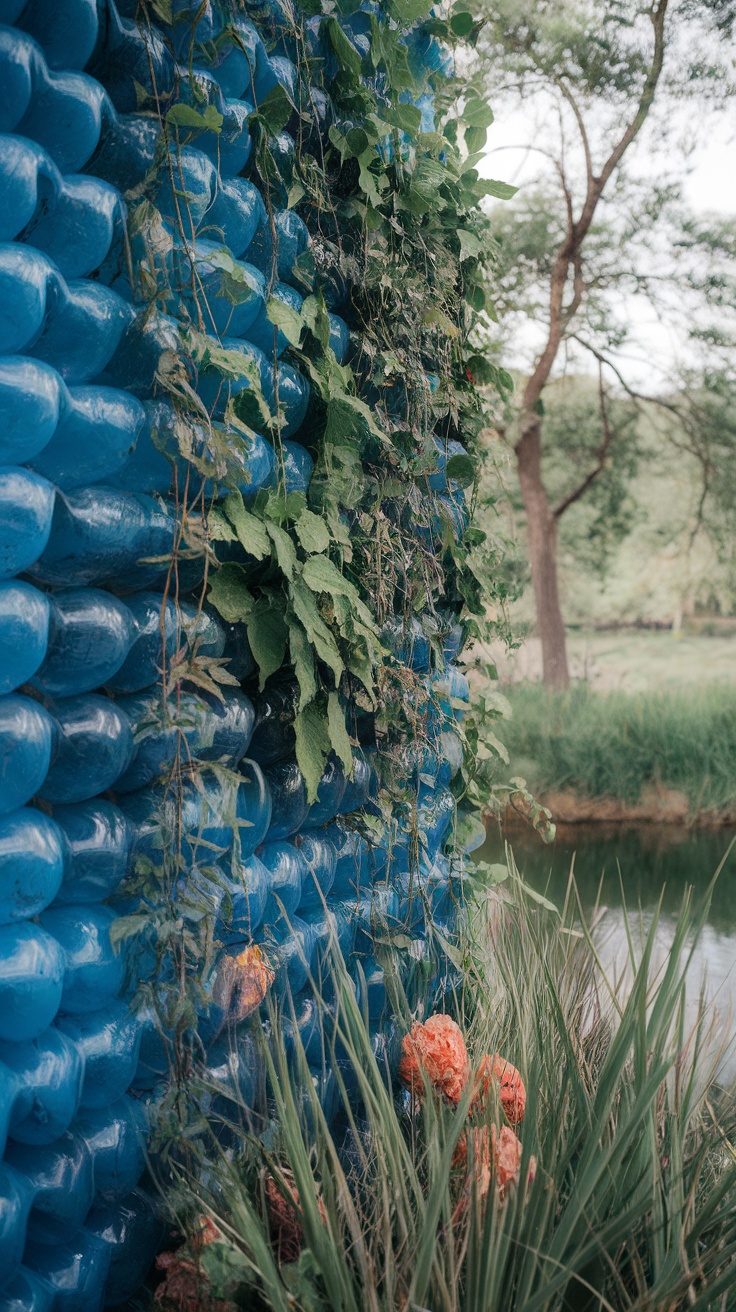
633 866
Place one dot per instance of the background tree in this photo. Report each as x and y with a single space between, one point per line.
594 232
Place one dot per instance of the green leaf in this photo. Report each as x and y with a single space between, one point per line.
317 319
285 549
251 531
276 110
312 532
286 318
126 927
339 736
302 658
312 746
481 371
183 116
475 139
477 113
501 190
407 118
462 24
471 246
229 593
267 634
321 575
534 896
461 469
343 48
318 633
408 12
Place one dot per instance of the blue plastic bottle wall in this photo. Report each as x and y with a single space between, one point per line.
88 526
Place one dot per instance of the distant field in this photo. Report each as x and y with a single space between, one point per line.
647 711
632 660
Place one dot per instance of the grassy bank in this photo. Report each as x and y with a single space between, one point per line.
623 746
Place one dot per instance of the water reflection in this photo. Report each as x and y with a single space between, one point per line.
637 866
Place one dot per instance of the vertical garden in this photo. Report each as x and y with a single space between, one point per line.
241 268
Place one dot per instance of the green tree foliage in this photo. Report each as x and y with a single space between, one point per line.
597 229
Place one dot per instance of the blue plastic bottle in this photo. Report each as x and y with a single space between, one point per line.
26 1292
291 240
330 792
26 510
31 980
235 214
66 29
98 428
94 747
349 850
30 404
320 858
198 725
292 945
75 1273
264 334
273 735
108 1041
101 535
61 111
156 633
184 203
116 1138
132 1231
288 799
287 873
46 1074
298 466
74 326
90 635
93 969
60 1179
27 737
17 1199
24 627
246 887
86 221
228 298
97 840
31 864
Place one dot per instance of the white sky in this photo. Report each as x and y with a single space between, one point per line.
709 184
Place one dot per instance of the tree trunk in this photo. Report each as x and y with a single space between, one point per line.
542 542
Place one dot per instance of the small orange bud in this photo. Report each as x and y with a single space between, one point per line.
506 1151
285 1217
496 1070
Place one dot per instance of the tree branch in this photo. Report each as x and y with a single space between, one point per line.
569 252
601 455
572 102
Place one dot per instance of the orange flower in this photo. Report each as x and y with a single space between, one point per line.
184 1286
506 1151
253 978
481 1157
285 1217
511 1087
435 1049
242 983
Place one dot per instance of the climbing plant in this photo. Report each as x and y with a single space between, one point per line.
333 582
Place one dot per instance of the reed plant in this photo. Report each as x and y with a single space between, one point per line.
624 1197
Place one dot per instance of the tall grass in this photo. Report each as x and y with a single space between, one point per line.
633 1206
617 744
